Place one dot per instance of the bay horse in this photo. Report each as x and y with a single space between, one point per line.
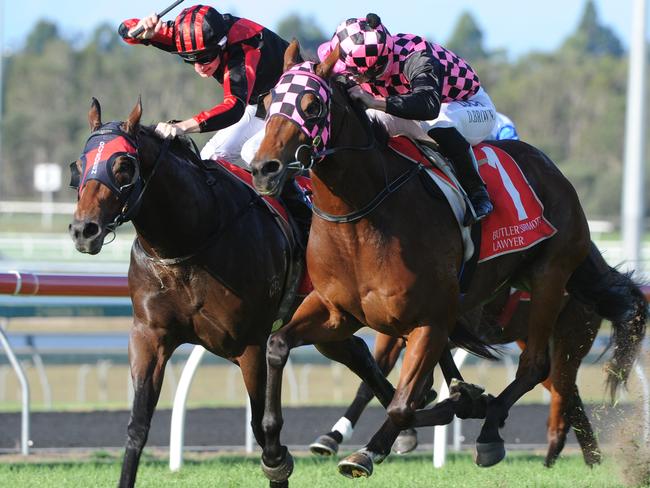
208 266
384 253
504 320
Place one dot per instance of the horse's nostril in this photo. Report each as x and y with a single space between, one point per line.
270 167
90 229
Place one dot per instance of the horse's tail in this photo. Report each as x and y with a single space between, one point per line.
463 338
618 298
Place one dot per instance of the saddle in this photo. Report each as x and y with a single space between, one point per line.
440 180
296 281
517 222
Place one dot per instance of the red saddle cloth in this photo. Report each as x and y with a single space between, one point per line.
304 183
517 221
406 148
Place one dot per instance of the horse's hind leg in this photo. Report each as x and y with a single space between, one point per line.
577 417
312 324
557 426
148 355
573 336
386 353
534 364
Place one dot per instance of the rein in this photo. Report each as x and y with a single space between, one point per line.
131 195
389 188
129 212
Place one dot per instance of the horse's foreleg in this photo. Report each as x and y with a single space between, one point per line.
253 369
310 317
386 354
568 411
448 367
147 357
425 344
557 427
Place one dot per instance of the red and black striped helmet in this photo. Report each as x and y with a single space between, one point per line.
200 34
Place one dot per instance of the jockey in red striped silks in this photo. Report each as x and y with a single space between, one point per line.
243 56
247 60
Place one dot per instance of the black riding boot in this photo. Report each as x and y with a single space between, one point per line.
455 148
299 208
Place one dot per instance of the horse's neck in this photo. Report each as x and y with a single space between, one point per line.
178 212
347 180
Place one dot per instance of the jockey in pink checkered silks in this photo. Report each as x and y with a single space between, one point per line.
420 89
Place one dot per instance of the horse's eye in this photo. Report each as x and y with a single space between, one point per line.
314 108
124 170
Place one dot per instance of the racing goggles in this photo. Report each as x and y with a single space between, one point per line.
203 56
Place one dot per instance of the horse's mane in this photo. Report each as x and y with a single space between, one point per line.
341 83
183 147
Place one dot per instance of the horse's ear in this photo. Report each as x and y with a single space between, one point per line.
132 123
95 115
291 55
324 69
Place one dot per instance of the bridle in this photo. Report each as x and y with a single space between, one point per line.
115 142
318 130
104 146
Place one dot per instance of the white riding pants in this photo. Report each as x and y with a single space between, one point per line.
473 118
228 143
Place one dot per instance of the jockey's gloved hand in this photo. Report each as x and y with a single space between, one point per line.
169 131
152 24
357 93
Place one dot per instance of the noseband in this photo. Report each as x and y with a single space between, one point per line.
102 148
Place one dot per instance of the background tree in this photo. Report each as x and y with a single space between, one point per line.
305 29
570 103
593 38
43 32
467 39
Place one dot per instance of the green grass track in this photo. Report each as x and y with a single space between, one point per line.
518 470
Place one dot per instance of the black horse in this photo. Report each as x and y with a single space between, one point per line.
210 264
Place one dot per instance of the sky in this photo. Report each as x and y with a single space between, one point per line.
517 25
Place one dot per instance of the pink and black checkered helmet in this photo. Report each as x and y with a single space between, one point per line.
366 46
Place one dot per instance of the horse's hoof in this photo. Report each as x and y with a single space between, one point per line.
489 453
279 484
356 465
593 457
470 389
282 471
406 441
549 462
324 446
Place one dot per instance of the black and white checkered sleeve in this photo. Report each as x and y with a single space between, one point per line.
423 101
